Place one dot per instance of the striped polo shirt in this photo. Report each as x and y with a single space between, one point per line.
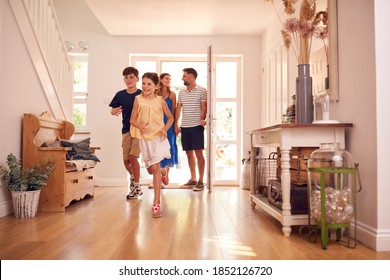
192 105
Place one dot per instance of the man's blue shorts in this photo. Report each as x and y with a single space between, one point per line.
192 138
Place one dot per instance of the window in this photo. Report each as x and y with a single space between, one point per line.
80 89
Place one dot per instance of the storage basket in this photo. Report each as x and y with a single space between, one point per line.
266 170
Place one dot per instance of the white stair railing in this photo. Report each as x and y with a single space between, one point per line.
39 26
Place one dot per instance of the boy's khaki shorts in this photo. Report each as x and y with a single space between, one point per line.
130 146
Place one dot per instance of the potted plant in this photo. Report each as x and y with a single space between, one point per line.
25 184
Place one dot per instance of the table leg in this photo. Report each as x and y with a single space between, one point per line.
253 172
286 186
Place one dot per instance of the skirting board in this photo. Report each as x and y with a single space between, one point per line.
111 182
170 186
6 208
376 239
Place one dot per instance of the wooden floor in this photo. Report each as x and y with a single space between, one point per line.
218 225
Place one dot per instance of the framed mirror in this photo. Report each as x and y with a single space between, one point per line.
324 57
279 67
333 50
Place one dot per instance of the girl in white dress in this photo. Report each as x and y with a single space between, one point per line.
147 124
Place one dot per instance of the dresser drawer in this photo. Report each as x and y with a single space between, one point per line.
79 184
260 138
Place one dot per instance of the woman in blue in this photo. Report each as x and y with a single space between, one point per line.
170 98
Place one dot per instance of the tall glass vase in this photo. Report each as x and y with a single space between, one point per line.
304 95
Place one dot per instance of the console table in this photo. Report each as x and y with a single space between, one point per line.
286 136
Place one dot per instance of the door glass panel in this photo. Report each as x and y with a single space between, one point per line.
227 73
226 121
225 162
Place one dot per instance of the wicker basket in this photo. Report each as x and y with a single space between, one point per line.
266 170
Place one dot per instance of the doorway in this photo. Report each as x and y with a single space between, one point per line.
226 107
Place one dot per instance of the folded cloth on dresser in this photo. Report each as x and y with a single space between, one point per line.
79 165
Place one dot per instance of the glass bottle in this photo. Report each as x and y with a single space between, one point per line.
322 102
331 178
326 107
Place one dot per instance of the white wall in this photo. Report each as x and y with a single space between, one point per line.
109 55
20 91
382 59
358 103
357 84
1 25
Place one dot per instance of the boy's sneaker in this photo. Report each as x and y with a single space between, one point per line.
138 190
132 193
199 186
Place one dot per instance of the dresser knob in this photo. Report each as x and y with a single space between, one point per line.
90 177
75 181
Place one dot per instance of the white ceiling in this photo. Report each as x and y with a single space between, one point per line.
182 17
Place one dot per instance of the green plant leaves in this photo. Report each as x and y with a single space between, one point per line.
17 178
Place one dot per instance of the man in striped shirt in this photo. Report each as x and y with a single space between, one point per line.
191 114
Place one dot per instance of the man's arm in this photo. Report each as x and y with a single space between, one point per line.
203 113
204 110
177 118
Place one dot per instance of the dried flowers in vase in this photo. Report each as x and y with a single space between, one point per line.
297 32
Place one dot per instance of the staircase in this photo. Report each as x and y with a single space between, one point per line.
41 32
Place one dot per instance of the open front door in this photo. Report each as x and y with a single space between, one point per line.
210 120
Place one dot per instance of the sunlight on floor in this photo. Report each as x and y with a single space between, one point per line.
233 246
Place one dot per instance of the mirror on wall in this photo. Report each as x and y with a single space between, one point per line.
333 50
279 67
324 57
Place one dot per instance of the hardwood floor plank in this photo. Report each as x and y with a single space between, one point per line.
218 225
